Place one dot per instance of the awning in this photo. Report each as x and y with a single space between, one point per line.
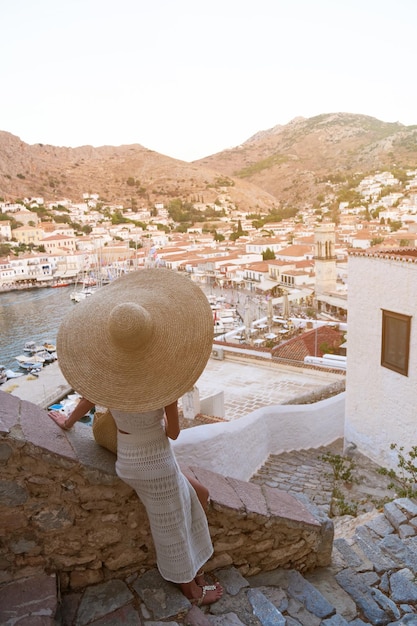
294 295
265 285
341 302
41 279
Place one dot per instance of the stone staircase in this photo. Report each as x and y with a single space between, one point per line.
372 578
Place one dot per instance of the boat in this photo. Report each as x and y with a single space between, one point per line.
60 284
49 346
3 374
29 360
82 294
86 283
47 356
31 347
31 367
12 374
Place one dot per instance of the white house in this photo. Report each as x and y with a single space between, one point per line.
262 245
381 379
5 230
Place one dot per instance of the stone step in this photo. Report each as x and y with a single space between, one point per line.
371 580
301 471
306 472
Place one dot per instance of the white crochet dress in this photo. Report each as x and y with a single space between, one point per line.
146 462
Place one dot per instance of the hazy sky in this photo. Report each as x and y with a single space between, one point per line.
189 78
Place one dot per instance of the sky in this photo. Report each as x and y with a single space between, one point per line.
189 78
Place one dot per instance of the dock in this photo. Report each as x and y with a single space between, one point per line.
48 387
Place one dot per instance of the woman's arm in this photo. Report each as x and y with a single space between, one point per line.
172 422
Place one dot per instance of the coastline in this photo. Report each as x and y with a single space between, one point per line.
6 288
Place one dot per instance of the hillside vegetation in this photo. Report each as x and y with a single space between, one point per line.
296 162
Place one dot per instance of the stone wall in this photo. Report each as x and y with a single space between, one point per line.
63 509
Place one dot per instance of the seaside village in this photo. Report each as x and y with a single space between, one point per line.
306 296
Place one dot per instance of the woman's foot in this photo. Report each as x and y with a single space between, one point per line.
201 579
201 595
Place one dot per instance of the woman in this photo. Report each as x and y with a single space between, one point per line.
136 346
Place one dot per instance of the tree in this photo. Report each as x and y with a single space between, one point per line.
62 219
257 224
135 244
5 249
268 255
118 218
181 212
375 241
395 225
239 232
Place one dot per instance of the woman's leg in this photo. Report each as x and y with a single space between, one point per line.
201 491
203 496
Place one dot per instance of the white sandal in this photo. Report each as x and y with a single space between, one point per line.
199 601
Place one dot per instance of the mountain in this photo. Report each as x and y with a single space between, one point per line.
285 165
295 161
130 175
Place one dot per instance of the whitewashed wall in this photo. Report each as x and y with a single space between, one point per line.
239 448
381 405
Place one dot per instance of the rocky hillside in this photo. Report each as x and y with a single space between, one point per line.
130 175
286 165
294 162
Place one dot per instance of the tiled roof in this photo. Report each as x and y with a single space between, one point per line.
401 254
308 343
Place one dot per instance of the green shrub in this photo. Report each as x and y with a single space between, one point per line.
404 481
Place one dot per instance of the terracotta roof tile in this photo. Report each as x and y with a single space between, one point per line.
308 343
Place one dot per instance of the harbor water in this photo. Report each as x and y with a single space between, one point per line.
30 315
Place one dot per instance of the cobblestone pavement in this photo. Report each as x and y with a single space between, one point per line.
249 385
307 472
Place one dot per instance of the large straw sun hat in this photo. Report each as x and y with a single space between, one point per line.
139 343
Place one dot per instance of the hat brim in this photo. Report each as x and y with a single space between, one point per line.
144 377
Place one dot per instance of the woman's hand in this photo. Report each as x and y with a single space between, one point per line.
80 410
59 418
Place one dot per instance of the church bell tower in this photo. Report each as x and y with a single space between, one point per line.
325 258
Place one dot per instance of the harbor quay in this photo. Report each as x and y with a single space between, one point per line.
244 385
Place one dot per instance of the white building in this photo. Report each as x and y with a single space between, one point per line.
5 230
381 381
